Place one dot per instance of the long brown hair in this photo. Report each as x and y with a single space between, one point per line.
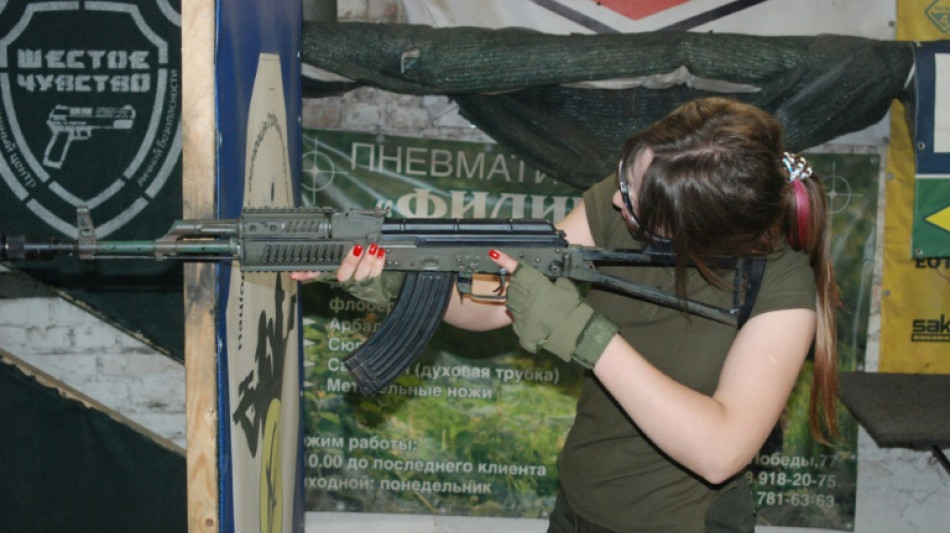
718 185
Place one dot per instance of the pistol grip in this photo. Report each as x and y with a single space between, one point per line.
56 150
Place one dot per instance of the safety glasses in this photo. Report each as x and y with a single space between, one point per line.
625 194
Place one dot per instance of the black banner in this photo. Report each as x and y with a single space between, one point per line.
90 94
69 467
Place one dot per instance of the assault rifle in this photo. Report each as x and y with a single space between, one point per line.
434 254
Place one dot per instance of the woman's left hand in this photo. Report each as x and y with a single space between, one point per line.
553 316
503 260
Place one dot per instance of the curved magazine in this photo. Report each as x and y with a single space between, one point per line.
418 312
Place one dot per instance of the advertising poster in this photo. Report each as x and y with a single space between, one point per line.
797 481
931 226
474 426
915 304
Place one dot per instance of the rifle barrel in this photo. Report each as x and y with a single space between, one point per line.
31 248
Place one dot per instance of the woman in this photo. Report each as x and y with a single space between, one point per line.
676 406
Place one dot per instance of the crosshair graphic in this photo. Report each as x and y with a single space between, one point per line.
316 173
838 191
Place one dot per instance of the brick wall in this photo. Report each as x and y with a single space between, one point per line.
92 356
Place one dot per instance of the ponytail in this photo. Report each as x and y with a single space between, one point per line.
807 230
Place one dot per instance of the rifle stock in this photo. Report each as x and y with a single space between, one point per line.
435 254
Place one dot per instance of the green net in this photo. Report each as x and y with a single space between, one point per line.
566 103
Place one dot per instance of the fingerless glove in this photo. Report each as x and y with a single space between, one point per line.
555 317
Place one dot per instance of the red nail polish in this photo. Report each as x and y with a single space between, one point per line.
494 254
381 252
373 248
357 250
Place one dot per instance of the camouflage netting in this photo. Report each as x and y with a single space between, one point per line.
565 103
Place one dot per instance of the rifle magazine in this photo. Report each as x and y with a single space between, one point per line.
418 312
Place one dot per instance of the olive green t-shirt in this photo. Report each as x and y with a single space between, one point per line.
611 474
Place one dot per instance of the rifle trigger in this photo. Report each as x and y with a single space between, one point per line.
502 280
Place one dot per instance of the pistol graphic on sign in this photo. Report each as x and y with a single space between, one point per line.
70 124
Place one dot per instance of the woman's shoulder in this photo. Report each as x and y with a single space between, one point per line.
785 259
601 193
606 226
788 282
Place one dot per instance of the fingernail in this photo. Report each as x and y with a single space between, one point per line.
494 254
381 252
373 248
357 250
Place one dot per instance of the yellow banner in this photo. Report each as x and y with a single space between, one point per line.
915 307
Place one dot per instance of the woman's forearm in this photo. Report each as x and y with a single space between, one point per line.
714 436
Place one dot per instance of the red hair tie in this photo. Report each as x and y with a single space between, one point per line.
802 212
798 170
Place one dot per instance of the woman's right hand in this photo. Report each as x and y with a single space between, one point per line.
357 265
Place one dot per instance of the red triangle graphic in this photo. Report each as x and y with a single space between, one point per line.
638 9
